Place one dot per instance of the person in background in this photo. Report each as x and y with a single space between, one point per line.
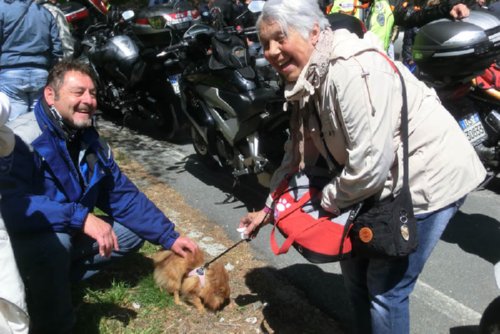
375 14
340 111
67 40
63 171
13 312
226 9
29 46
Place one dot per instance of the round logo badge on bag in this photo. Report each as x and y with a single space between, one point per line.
365 234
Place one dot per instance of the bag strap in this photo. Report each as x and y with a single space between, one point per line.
404 129
404 125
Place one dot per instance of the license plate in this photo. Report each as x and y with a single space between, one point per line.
175 83
473 128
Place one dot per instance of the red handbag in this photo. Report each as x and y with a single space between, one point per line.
317 235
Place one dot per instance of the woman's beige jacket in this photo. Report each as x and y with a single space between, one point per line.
358 96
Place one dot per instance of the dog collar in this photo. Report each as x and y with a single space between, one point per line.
200 272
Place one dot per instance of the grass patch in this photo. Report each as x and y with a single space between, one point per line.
122 298
148 294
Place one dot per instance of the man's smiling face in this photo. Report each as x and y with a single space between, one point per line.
75 100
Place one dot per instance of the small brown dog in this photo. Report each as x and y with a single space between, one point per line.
185 277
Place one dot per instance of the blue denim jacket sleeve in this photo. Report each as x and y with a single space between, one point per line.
130 207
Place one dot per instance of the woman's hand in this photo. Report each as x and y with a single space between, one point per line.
253 221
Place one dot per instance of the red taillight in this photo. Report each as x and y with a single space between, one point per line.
173 15
142 21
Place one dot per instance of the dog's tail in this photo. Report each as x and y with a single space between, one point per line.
161 256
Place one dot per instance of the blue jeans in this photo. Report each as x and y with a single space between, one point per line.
23 86
379 289
50 262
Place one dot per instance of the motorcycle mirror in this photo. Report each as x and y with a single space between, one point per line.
128 15
256 6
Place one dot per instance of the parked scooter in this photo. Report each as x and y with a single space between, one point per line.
236 118
449 54
131 82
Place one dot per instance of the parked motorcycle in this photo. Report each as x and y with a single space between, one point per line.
132 82
164 24
236 118
81 14
449 54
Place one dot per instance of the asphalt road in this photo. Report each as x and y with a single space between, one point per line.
455 287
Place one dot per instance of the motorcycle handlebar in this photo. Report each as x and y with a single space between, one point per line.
184 43
172 49
241 31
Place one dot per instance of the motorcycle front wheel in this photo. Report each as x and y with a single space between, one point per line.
158 119
168 122
202 150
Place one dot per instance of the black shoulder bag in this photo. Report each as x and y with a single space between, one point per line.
388 228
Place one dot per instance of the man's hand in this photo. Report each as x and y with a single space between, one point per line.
102 232
183 244
459 11
253 221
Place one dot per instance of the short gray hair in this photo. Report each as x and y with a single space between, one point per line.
301 15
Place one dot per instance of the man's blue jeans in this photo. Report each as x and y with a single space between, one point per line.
379 289
50 262
23 86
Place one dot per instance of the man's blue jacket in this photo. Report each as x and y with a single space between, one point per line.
44 191
32 40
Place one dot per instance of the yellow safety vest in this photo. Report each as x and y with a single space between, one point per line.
349 7
379 19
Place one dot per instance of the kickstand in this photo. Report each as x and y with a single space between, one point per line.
230 198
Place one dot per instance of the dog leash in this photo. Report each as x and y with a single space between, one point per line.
224 252
234 245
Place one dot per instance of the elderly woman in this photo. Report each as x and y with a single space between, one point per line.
358 97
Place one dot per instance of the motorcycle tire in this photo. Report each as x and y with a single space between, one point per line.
160 121
169 124
202 150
